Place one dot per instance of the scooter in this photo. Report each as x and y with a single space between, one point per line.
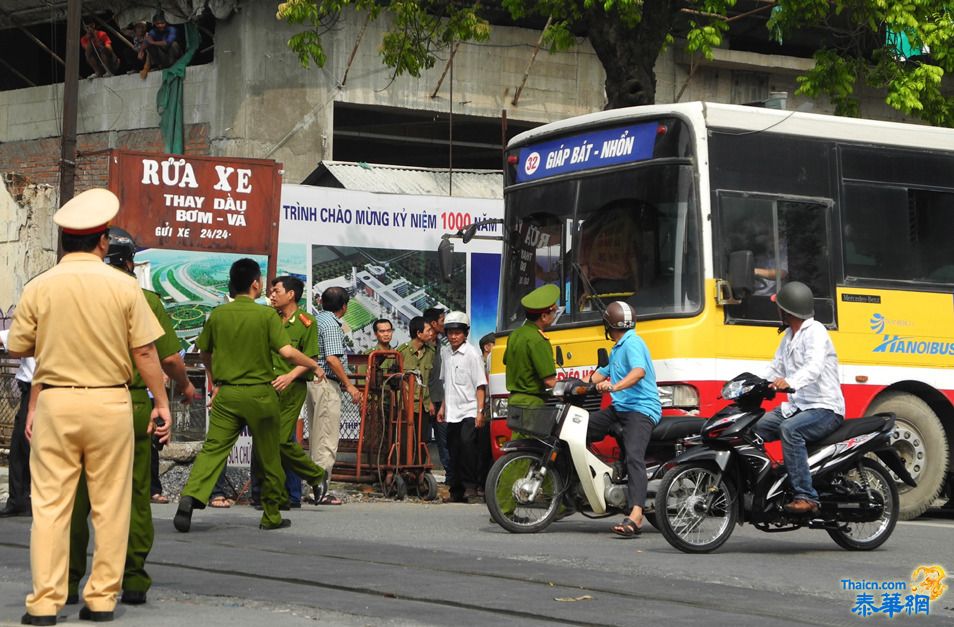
735 477
550 472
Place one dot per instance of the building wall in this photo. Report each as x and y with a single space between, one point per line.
27 234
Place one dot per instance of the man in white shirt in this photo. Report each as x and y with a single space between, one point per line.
805 361
18 498
465 383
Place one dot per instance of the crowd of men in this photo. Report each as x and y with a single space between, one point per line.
96 347
145 46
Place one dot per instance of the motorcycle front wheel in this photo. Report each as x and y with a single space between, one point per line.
695 510
866 536
522 492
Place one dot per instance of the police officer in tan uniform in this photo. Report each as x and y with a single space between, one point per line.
83 321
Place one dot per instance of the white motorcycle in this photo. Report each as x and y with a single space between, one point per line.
550 472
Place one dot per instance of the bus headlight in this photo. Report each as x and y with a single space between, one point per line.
681 396
498 406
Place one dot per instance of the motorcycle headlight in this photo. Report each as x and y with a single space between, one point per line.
680 396
734 389
498 407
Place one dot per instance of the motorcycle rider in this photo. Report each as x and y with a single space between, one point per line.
806 361
631 381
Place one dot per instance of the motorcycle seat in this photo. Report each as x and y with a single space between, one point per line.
675 427
854 427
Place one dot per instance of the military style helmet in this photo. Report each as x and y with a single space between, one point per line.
619 315
456 320
796 299
122 248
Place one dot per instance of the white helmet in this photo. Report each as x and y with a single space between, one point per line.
456 320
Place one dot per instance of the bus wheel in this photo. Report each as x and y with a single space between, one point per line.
920 439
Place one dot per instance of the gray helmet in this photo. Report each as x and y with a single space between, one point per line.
456 320
619 315
796 299
122 248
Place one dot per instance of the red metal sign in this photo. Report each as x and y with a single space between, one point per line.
220 204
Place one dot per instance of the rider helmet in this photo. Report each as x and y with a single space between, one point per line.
456 320
796 299
122 248
619 315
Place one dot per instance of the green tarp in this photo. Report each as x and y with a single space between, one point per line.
169 100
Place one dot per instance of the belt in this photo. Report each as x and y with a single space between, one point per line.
83 387
219 384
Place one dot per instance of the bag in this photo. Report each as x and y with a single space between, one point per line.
537 421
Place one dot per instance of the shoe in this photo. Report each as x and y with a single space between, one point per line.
30 619
801 506
10 511
284 524
96 617
133 597
295 505
450 498
72 598
183 518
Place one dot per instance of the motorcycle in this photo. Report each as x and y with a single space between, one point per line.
551 473
735 477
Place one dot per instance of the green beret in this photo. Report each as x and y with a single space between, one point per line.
541 299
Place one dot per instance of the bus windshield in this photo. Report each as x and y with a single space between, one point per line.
629 234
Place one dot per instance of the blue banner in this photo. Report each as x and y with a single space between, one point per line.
598 149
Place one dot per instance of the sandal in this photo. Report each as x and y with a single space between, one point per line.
159 498
221 502
330 499
627 528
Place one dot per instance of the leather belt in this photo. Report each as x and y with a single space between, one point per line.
83 387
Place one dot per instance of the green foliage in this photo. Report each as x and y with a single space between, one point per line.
853 38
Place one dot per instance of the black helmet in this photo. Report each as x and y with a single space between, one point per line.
619 315
122 248
796 299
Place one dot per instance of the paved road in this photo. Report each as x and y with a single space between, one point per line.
433 564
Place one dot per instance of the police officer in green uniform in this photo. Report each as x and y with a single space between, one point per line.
136 582
291 381
530 369
529 356
237 343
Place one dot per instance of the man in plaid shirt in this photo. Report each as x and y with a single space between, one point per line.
324 402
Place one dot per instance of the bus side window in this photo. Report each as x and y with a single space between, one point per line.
789 242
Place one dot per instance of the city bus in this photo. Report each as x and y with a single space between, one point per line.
696 213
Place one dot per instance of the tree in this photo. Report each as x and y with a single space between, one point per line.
857 42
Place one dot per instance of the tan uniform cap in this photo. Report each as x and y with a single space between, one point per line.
89 212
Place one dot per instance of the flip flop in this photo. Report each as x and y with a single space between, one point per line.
159 498
627 528
220 502
330 499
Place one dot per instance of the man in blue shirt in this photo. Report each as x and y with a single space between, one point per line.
631 381
161 45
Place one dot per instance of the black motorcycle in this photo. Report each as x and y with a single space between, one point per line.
731 479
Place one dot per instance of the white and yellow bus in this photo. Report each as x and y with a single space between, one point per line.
696 212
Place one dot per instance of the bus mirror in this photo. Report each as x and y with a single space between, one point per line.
445 258
468 233
559 356
742 273
602 358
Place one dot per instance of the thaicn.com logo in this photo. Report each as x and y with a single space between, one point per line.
893 598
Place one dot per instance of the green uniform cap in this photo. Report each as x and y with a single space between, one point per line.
541 299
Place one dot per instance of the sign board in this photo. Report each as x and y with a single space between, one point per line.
212 204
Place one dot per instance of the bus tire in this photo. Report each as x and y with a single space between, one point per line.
922 442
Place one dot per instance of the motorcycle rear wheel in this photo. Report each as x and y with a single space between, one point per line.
695 514
870 535
506 509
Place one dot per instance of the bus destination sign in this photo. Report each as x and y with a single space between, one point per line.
626 144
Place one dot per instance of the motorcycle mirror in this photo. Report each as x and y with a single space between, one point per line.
559 356
602 358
